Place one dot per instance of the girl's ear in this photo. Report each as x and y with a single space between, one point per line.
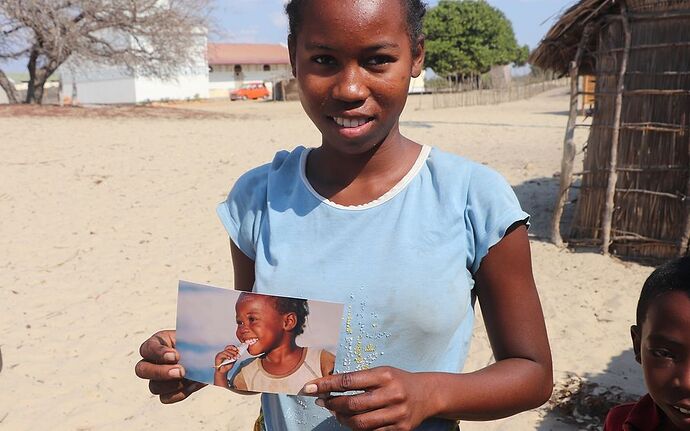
292 50
636 336
289 321
418 53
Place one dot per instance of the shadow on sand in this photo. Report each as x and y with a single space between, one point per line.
584 401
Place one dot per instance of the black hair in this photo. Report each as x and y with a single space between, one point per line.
670 277
293 305
416 9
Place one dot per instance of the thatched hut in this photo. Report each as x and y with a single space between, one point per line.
634 193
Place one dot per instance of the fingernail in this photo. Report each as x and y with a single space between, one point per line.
310 388
169 356
175 373
319 402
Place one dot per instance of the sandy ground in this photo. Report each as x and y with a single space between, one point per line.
102 216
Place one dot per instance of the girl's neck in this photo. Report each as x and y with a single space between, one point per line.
361 178
283 359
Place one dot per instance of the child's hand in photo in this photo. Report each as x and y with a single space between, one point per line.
391 398
229 355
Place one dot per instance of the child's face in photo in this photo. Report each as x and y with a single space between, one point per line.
259 322
663 349
353 61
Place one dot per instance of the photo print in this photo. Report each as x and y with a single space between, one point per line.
255 342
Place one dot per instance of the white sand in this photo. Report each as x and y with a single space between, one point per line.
101 217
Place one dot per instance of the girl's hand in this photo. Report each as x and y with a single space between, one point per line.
159 366
392 398
230 352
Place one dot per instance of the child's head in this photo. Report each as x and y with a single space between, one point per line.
269 321
661 339
354 60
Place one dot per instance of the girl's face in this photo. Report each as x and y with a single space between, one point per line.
353 61
259 322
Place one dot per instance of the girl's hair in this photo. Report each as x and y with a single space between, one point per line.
293 305
415 9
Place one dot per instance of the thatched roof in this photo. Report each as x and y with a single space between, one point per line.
557 49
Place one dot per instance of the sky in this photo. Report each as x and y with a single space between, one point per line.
263 21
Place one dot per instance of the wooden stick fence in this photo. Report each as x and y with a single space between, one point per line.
447 99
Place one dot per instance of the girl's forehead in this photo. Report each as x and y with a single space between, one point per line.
352 15
250 302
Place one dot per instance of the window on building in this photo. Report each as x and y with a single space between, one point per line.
267 67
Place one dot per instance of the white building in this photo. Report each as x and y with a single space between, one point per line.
231 64
103 84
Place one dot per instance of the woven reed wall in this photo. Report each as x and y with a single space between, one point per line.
650 211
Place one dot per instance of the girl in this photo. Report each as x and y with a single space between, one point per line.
404 234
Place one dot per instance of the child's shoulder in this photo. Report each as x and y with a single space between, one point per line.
643 415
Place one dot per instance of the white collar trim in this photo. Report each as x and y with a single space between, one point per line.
390 194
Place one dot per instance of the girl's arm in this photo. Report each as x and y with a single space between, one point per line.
243 268
520 379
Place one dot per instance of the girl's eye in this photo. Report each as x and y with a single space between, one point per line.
239 323
325 60
380 60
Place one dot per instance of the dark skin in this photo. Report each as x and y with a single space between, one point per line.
353 60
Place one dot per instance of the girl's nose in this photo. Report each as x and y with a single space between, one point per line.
350 86
683 376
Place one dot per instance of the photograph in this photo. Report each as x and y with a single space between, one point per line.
253 342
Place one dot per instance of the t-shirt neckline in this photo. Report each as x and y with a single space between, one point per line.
390 194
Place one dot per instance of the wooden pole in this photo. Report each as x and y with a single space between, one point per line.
607 219
683 248
569 149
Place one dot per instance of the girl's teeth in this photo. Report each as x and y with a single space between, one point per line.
350 122
684 411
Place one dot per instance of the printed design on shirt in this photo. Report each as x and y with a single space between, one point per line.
362 333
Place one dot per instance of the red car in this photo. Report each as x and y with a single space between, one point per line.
249 91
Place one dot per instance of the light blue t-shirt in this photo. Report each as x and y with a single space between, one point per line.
402 265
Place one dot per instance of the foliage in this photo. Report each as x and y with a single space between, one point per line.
468 37
149 37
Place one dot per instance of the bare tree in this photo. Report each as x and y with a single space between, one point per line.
148 37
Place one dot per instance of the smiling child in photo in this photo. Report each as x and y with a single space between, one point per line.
268 326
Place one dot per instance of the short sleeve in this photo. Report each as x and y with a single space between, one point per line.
492 208
242 210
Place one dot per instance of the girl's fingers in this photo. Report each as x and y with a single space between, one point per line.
149 371
376 420
357 380
187 389
158 387
353 404
159 348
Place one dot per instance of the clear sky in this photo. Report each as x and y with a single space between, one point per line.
263 21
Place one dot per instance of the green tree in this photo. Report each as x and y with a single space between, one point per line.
467 37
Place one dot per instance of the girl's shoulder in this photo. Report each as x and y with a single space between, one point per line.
462 175
283 162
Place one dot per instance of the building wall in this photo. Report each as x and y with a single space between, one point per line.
223 78
102 91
